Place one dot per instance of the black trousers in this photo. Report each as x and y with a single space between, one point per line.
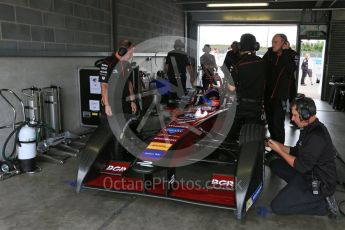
304 74
174 81
275 115
114 148
246 113
297 196
206 82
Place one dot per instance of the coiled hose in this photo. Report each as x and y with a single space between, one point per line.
15 132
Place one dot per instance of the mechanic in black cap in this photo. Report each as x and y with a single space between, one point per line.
249 78
308 168
118 61
176 66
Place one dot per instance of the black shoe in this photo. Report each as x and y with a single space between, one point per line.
332 207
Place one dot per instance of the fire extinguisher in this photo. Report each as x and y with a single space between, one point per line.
24 145
26 148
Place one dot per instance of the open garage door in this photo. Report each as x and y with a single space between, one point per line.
221 36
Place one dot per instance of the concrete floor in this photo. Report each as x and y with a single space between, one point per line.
48 200
313 91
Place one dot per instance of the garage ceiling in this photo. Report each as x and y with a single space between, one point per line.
200 5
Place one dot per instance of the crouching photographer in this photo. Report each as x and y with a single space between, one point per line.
308 168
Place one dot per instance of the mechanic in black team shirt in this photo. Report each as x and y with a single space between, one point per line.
118 61
249 77
308 168
176 66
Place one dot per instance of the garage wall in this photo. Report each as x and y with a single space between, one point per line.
44 42
54 27
139 20
18 73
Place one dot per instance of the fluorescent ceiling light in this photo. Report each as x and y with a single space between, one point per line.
237 4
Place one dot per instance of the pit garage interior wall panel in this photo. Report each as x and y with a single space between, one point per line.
54 27
17 73
336 52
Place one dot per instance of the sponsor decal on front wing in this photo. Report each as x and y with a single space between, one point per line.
225 182
116 168
164 139
145 164
174 130
159 146
152 154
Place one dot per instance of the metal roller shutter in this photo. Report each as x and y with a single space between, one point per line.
336 53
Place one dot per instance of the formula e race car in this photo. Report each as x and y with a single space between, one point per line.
181 153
